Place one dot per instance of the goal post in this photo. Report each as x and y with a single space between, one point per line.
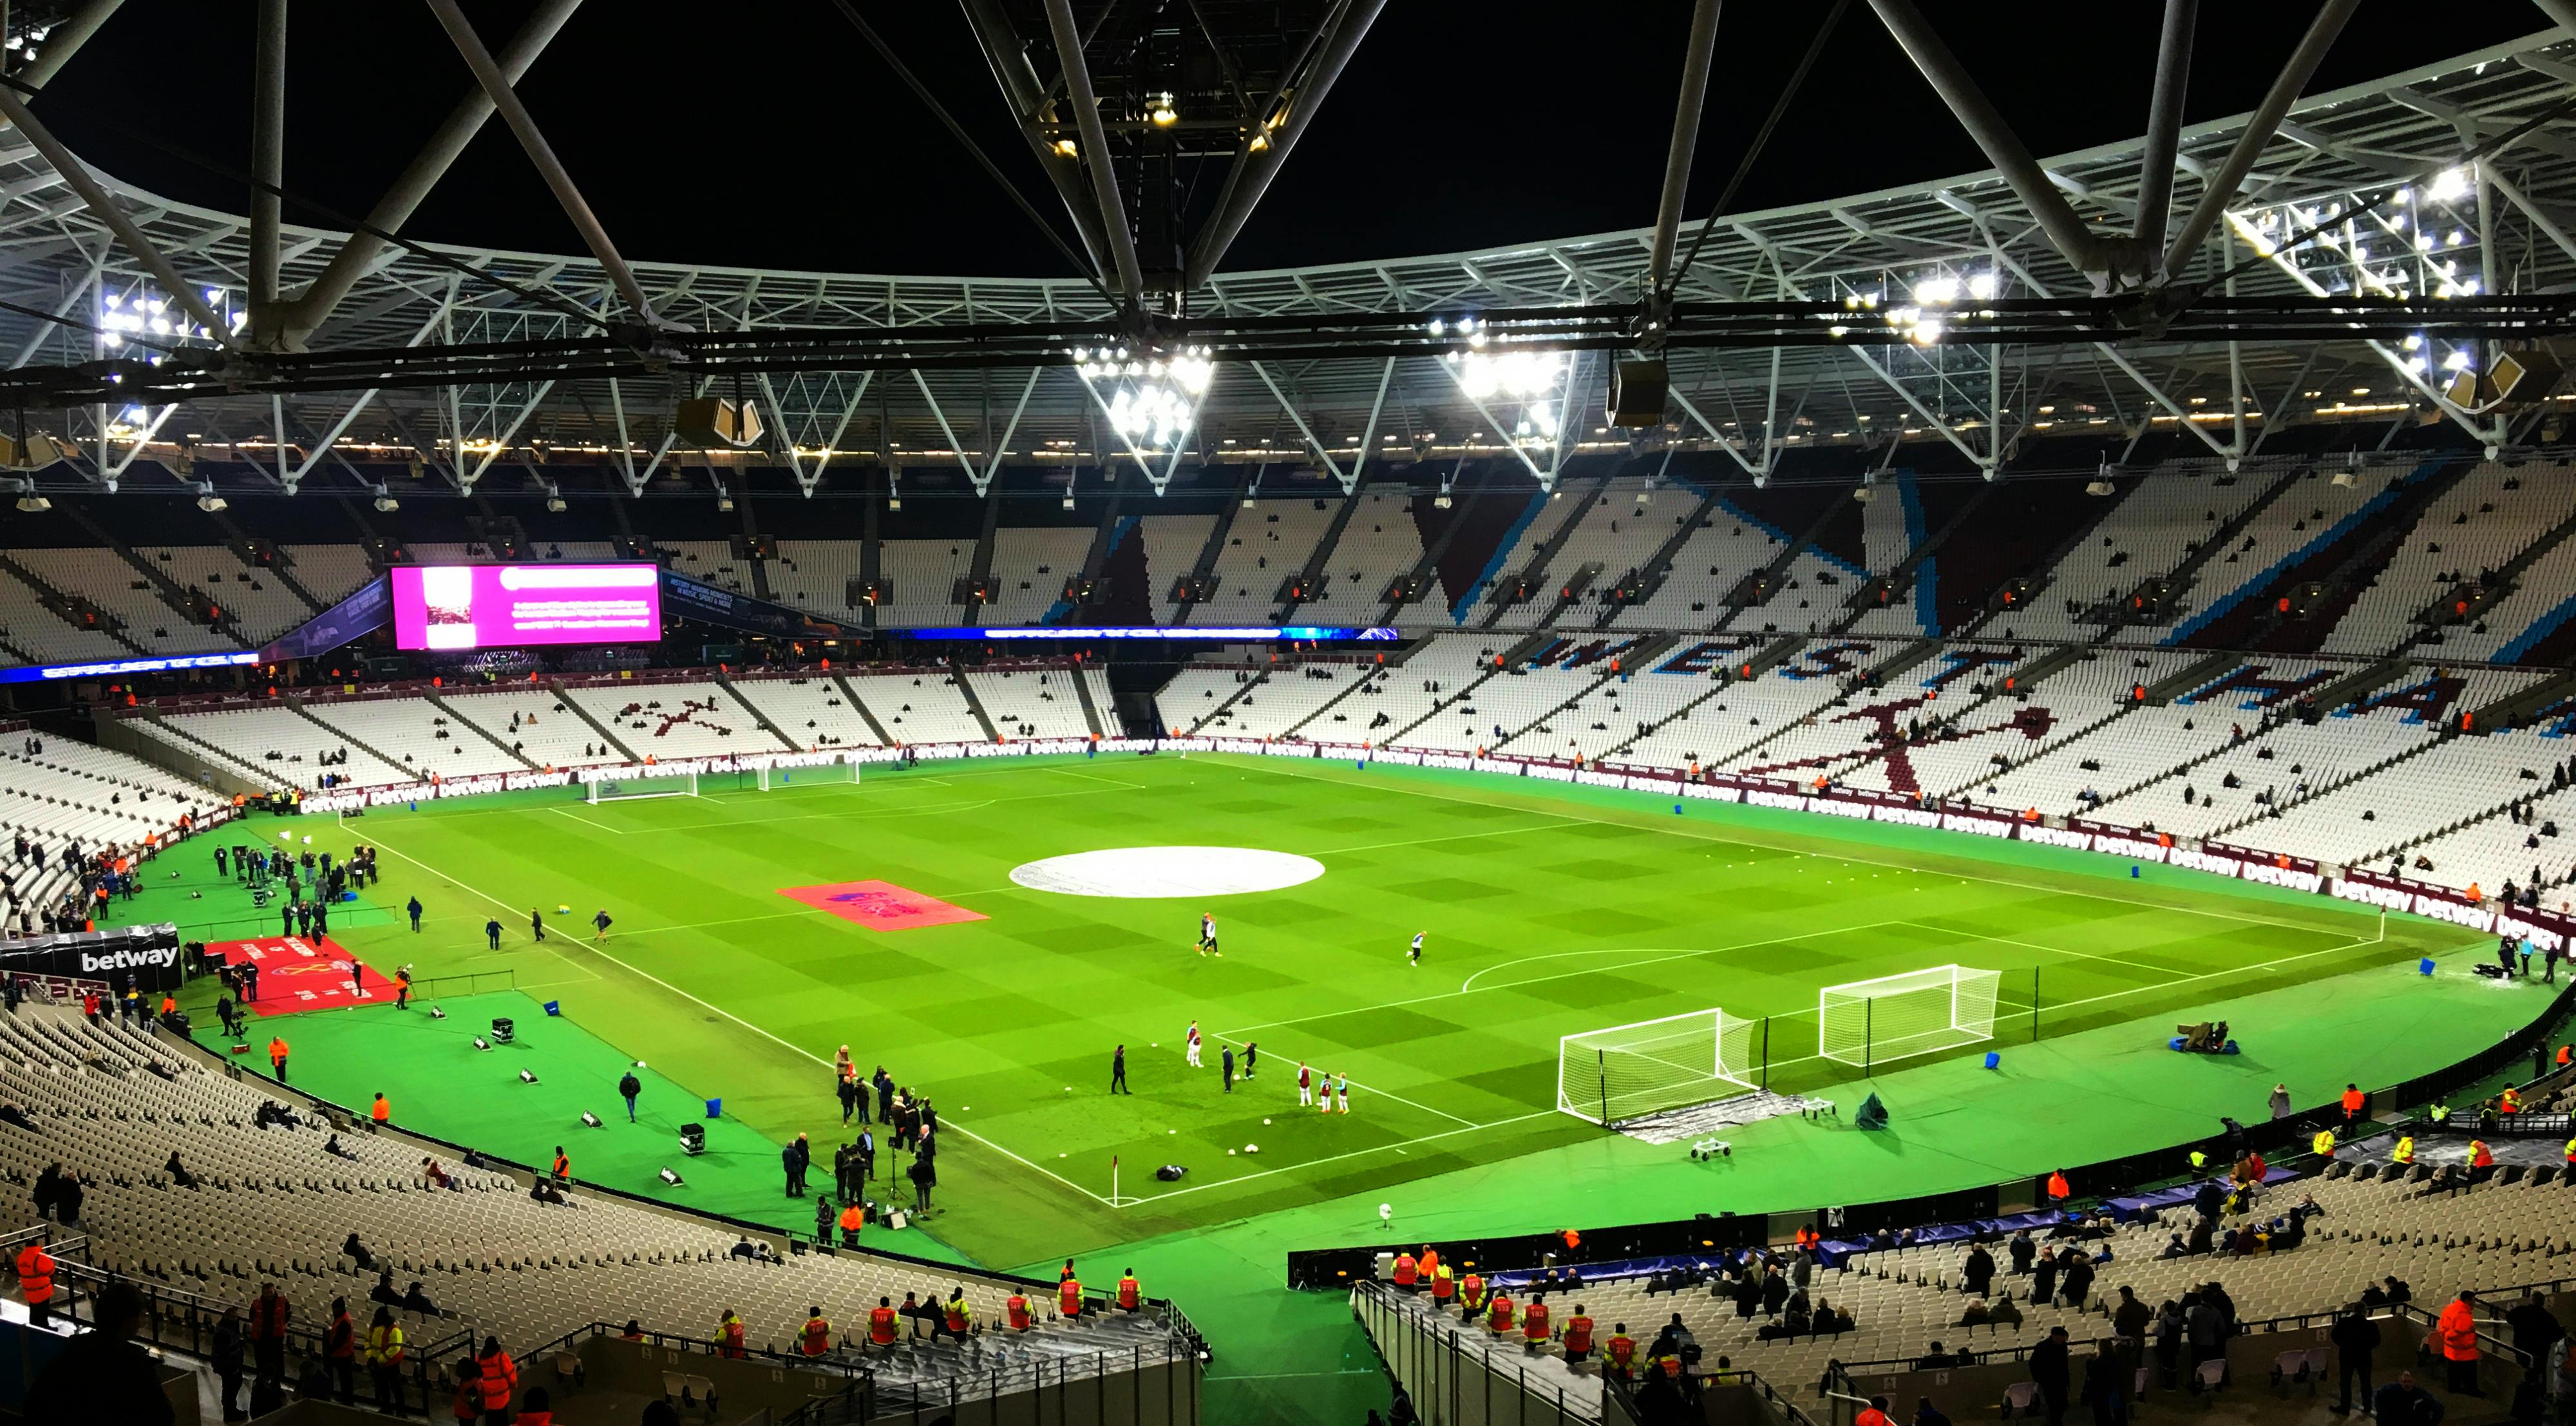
1625 1072
1894 1017
628 789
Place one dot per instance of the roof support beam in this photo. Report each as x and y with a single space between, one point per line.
1257 164
2547 225
77 175
1095 154
1002 447
1312 443
541 155
267 164
2002 148
359 252
2220 188
2164 123
1008 60
330 438
1677 158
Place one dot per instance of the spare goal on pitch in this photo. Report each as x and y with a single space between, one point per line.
625 789
1628 1071
1897 1016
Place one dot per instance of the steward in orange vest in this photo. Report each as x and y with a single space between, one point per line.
1016 1309
817 1338
1130 1295
1534 1323
1498 1316
1622 1355
729 1335
1068 1298
1444 1285
1471 1294
881 1327
1407 1271
36 1282
1578 1335
853 1218
498 1375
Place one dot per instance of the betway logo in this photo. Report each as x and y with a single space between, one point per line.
122 960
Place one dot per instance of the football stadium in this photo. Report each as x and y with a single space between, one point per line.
1072 712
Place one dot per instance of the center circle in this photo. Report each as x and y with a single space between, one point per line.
1168 872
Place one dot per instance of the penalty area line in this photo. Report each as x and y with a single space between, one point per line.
787 1045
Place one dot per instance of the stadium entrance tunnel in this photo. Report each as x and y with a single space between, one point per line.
1147 872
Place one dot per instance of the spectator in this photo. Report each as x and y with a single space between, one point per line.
2105 1395
2403 1403
358 1253
2051 1369
2535 1329
2202 1327
2280 1101
1978 1272
415 1300
1926 1414
102 1376
2078 1282
2355 1338
227 1362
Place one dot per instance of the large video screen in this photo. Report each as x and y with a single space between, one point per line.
502 606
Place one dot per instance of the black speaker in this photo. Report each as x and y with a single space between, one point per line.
1637 393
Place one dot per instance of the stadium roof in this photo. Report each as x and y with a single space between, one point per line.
2376 168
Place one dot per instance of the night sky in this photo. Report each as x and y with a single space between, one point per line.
767 133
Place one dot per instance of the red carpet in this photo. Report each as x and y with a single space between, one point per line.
295 974
880 905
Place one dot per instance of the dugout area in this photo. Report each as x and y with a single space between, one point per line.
1551 908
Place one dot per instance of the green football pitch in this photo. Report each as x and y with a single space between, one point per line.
1548 910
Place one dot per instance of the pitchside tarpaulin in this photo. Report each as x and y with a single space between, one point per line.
150 954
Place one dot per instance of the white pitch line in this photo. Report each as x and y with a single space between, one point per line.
2051 950
1659 829
787 1045
1452 837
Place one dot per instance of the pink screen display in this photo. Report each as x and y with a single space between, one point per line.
487 606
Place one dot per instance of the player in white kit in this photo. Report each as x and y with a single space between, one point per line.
1193 1044
1305 1086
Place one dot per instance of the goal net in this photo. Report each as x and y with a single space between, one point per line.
1629 1071
627 789
781 779
1897 1016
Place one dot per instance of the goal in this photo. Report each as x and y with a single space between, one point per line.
626 789
1898 1016
1610 1076
779 779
